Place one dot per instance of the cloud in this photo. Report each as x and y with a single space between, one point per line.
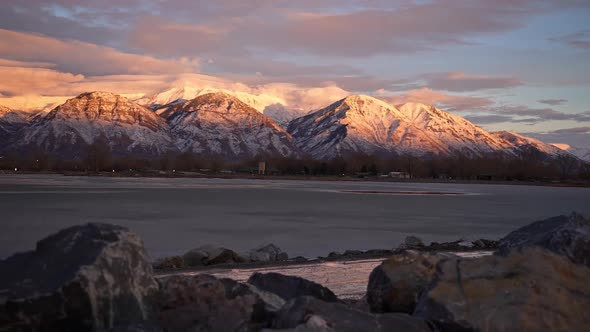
27 81
84 58
575 130
541 114
487 119
553 102
580 39
461 82
578 138
169 38
453 103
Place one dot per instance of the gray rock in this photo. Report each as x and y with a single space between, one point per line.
83 278
567 236
299 259
529 289
412 242
169 263
205 303
397 284
211 255
268 253
289 287
310 314
485 244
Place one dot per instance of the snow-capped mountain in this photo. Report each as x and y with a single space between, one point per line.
69 128
166 99
522 143
218 123
458 134
10 122
222 124
367 125
358 124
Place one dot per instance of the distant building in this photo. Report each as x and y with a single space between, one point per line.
262 168
399 175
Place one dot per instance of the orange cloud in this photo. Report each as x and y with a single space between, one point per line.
85 58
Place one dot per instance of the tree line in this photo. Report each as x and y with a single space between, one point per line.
530 165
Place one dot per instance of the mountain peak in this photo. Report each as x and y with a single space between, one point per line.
4 110
360 101
216 96
99 95
414 105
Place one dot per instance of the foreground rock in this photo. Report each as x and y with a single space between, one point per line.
205 303
397 284
565 235
412 242
169 263
290 287
211 255
311 314
529 289
83 278
268 253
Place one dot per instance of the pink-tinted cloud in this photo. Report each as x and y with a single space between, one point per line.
432 97
162 37
460 82
84 58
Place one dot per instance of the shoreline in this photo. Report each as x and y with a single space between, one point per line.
304 178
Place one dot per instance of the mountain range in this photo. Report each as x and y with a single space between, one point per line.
233 125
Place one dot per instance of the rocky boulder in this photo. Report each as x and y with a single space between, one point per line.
289 287
169 263
205 303
211 255
564 235
484 244
310 314
268 253
412 242
84 278
528 289
397 284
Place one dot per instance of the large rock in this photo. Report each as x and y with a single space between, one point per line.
289 287
205 303
211 255
83 278
565 235
412 242
310 314
268 253
169 263
529 289
397 284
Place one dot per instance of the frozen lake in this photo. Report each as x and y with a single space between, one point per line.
304 218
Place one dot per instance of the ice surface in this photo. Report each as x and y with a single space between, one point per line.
308 218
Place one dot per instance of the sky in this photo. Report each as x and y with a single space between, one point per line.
519 65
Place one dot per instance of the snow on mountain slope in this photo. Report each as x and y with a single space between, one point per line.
10 122
218 123
522 143
453 131
164 99
368 125
70 127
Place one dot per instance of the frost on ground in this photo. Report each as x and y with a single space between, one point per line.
347 279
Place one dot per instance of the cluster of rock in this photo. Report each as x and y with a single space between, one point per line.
208 255
214 255
97 277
